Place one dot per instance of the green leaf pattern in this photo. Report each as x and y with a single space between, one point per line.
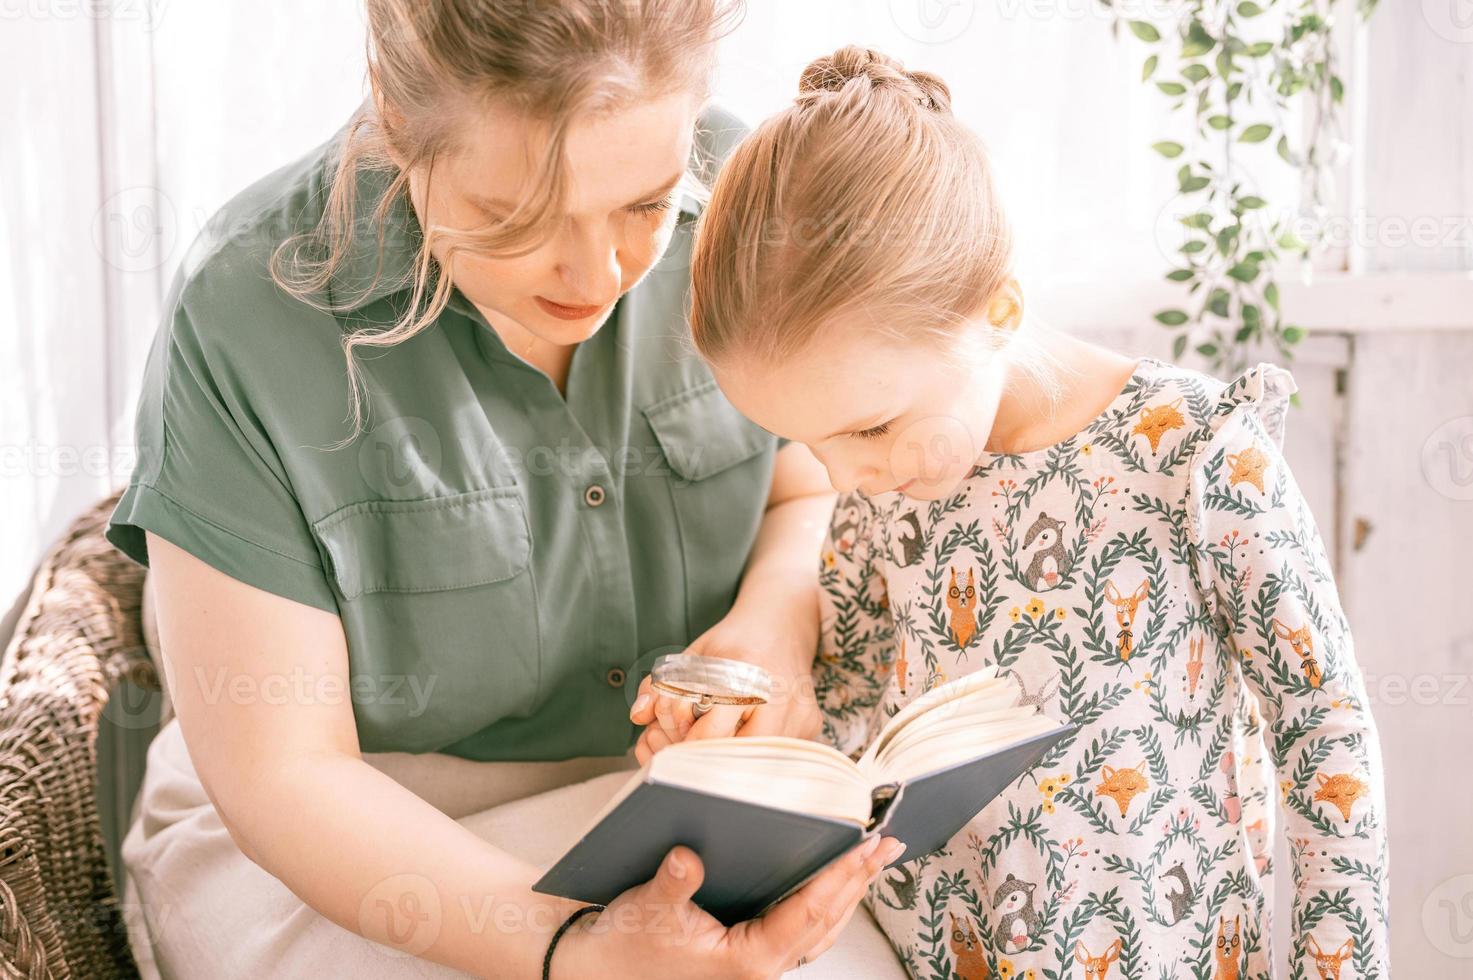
1158 580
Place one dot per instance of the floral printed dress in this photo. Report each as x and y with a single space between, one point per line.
1158 580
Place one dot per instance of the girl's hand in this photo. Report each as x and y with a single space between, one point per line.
786 655
655 930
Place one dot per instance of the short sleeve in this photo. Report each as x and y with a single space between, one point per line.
207 476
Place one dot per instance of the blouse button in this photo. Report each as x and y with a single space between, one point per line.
615 677
594 495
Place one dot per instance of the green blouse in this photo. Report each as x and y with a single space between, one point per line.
506 561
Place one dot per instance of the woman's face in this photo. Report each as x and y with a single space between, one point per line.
881 416
623 168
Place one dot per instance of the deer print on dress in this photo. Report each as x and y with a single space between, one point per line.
1341 790
1194 664
912 545
1019 919
1247 467
1329 963
971 960
1182 896
1046 690
1097 967
1226 951
1156 422
1122 785
1050 563
1303 643
1125 610
961 601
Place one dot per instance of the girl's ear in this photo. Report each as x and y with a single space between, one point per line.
1005 306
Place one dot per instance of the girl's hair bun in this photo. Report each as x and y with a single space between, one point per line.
835 72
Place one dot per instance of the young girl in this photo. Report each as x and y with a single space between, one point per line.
1121 536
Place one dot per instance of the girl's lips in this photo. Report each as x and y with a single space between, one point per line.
563 312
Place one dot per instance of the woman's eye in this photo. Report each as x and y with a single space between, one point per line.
875 432
654 207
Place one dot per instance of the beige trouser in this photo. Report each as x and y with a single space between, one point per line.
199 908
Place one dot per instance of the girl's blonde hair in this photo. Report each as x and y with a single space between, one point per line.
866 201
432 63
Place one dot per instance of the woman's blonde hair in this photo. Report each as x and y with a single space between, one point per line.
432 63
866 201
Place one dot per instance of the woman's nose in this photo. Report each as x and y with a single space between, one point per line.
590 267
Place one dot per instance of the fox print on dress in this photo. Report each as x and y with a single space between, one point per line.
1157 580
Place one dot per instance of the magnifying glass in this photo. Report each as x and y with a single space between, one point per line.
709 681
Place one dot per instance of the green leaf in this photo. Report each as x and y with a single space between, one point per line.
1249 9
1220 302
1252 316
1283 149
1193 247
1195 73
1293 335
1172 318
1207 350
1271 294
1256 133
1291 242
1260 49
1145 30
1180 275
1168 149
1198 42
1149 67
1337 88
1244 271
1178 346
1172 88
1193 184
1225 239
1219 121
1251 203
1201 220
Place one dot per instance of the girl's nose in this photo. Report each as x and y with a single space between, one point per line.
848 476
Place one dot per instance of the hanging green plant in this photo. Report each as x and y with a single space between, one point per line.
1236 93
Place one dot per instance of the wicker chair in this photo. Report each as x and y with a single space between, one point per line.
80 633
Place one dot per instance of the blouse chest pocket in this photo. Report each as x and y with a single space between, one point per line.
438 600
720 475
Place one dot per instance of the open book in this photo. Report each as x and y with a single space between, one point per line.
766 813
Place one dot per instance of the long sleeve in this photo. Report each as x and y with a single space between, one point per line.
1268 581
857 633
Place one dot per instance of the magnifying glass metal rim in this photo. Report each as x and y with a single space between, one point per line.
709 681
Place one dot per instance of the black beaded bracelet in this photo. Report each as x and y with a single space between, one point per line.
552 944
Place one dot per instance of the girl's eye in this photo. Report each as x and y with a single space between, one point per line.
654 207
875 432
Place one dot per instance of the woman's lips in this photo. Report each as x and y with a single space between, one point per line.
565 312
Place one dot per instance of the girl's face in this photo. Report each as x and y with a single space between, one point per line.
623 168
882 416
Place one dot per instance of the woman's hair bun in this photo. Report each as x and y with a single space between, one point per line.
832 73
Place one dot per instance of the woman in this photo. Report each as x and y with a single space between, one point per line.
464 540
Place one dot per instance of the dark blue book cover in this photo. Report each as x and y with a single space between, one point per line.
755 855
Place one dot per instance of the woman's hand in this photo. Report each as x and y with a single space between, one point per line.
655 930
785 653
